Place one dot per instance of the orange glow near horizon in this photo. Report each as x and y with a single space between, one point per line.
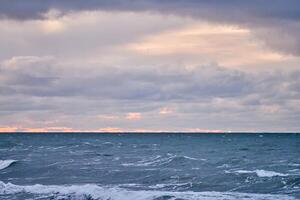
99 130
133 116
8 129
205 130
55 129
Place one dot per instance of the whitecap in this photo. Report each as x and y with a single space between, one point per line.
293 170
224 166
260 173
147 162
92 191
189 158
108 143
294 164
159 160
6 163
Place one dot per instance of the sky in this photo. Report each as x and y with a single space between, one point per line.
149 65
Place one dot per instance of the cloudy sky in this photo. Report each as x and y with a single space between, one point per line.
150 65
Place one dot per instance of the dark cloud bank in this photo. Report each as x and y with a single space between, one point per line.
31 9
273 21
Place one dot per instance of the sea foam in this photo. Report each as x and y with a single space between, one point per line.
261 173
92 191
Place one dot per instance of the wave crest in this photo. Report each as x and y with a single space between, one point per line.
6 163
159 160
260 173
93 192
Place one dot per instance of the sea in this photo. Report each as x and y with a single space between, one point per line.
149 166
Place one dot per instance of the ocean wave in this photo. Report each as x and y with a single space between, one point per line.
96 192
223 166
6 163
159 160
160 186
294 164
260 173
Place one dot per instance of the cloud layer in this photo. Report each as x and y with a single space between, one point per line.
280 18
35 9
128 65
213 95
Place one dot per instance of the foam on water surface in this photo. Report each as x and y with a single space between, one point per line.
261 173
93 191
149 166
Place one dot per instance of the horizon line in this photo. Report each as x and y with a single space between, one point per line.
151 132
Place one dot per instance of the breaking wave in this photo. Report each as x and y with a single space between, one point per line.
6 163
260 173
96 192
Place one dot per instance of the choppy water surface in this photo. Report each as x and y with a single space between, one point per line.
150 166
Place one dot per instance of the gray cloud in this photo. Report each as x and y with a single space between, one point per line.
42 91
84 36
41 77
36 9
205 95
33 75
276 22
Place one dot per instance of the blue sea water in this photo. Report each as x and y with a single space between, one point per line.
149 166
